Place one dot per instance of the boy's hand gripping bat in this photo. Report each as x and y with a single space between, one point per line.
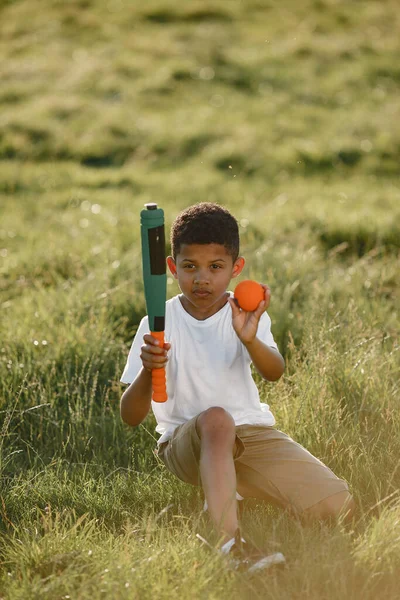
155 284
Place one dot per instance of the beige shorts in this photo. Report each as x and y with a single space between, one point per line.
269 465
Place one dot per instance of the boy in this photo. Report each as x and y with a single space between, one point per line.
214 430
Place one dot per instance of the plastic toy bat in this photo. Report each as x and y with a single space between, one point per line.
155 284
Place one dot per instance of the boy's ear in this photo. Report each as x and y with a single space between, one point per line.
172 266
238 266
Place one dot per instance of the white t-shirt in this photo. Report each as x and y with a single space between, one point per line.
208 366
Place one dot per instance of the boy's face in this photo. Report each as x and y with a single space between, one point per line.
203 272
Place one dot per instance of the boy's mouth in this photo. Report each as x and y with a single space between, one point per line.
201 293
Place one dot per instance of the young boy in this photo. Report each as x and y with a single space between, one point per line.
214 430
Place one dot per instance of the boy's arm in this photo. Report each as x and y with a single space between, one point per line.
268 361
136 399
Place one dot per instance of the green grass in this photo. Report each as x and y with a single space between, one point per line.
288 114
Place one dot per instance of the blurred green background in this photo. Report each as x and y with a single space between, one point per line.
287 113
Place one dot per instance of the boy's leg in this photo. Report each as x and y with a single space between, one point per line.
276 468
216 429
203 452
340 505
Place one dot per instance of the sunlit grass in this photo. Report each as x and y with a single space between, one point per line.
286 113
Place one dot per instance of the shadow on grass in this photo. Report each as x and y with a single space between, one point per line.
360 239
199 15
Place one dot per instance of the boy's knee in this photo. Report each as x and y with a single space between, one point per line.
215 422
340 505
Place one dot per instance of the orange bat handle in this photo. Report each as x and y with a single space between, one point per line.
158 378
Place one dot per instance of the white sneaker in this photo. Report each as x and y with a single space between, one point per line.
244 556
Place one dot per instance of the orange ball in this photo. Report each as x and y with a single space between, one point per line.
249 294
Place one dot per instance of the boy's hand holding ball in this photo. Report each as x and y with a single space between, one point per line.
249 294
251 299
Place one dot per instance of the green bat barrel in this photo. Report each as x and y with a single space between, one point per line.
155 283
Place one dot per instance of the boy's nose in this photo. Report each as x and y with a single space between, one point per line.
201 278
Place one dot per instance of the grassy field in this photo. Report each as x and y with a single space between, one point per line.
287 113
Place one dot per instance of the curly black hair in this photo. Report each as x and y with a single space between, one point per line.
205 223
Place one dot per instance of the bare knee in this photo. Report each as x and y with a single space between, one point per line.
338 506
216 425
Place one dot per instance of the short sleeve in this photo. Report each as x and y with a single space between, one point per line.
134 362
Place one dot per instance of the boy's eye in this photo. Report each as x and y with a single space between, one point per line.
190 266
